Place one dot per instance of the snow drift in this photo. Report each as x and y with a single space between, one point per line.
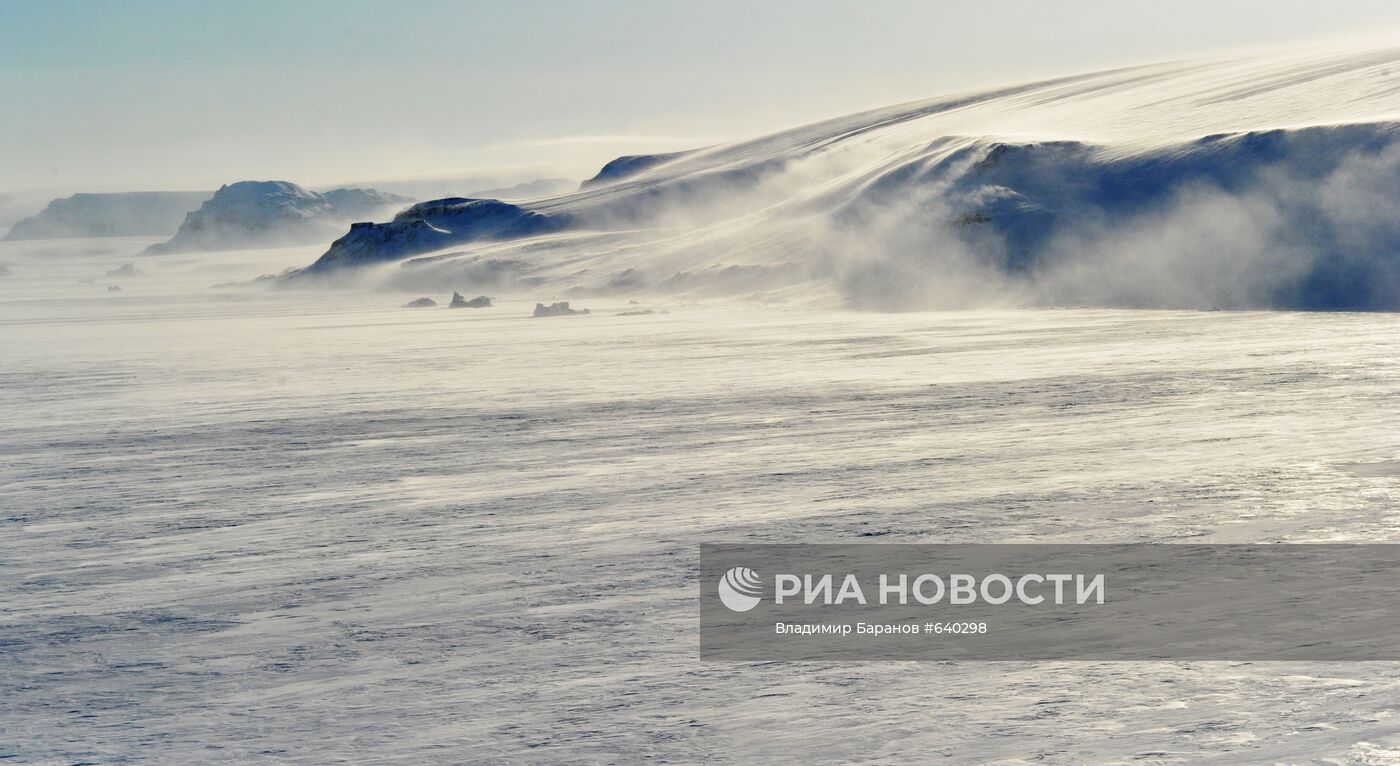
1226 183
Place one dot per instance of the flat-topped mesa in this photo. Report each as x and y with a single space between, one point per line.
124 214
433 225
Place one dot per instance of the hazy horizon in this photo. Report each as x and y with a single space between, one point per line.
159 96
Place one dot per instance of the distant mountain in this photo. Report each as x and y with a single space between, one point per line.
506 187
544 187
251 214
16 206
127 214
1245 182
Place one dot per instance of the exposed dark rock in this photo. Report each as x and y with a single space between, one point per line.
433 225
459 301
560 309
421 303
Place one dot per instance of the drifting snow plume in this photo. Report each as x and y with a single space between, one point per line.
1284 218
1251 182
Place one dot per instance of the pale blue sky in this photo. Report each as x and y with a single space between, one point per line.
167 94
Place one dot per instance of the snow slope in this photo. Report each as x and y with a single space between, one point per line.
1266 181
127 214
252 214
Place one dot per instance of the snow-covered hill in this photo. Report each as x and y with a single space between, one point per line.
274 213
127 214
1232 182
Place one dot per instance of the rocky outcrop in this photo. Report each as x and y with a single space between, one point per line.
460 302
421 303
560 309
433 225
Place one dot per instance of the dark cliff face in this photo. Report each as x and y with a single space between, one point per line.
433 225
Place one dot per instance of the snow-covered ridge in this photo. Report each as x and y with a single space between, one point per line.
432 225
274 213
629 166
125 214
1243 182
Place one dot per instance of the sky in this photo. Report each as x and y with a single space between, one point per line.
124 95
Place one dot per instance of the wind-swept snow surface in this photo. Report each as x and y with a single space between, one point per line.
248 526
1224 183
